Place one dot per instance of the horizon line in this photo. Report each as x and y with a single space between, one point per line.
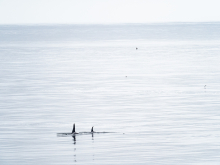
62 24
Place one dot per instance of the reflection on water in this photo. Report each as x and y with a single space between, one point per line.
74 142
75 146
74 139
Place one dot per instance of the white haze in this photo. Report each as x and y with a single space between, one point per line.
107 11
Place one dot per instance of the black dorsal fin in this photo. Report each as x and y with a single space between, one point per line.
73 131
92 130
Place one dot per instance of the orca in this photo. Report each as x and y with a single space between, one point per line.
73 133
92 131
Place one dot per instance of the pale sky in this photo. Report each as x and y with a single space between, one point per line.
107 11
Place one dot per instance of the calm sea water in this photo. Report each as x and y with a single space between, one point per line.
161 100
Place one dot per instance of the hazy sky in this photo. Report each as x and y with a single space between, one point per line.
107 11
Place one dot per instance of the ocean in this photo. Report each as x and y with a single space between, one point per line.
155 87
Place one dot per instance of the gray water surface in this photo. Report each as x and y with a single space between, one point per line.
154 99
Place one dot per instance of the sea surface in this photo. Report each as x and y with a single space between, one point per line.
156 87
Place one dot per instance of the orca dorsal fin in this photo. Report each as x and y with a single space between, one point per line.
73 131
92 129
